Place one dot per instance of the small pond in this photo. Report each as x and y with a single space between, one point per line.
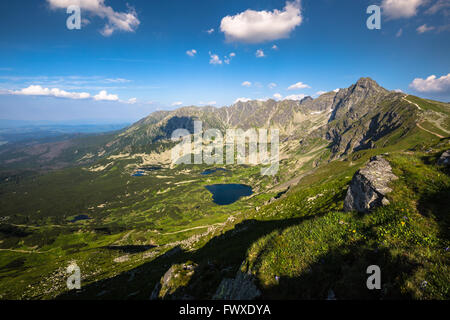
138 174
212 170
224 194
80 217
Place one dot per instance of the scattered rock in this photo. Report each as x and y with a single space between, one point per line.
369 186
444 159
122 259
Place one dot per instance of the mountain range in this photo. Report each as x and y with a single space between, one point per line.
141 227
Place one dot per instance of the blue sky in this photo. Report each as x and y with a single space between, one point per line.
134 57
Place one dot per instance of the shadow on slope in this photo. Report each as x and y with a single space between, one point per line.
220 257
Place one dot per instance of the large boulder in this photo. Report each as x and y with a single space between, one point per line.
444 159
369 186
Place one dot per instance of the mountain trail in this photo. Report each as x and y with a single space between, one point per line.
404 98
24 251
433 133
194 228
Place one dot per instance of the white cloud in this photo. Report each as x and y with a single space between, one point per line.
398 90
36 90
259 53
399 33
432 84
191 53
277 96
123 21
259 26
439 6
104 96
319 93
177 103
227 60
246 84
295 97
336 90
132 100
214 59
298 85
117 80
272 85
424 28
275 47
395 9
210 31
242 100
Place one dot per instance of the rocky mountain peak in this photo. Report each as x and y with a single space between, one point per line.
367 83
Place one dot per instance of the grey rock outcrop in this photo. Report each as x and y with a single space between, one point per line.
242 287
173 283
444 159
369 186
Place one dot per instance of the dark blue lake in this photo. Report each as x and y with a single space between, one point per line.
138 174
209 171
80 217
150 168
224 194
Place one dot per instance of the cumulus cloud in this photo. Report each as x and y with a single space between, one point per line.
210 31
242 100
260 54
214 59
319 93
104 96
396 9
298 85
277 96
36 90
295 97
123 21
274 47
399 33
246 84
227 60
424 28
432 84
177 103
191 53
272 85
253 26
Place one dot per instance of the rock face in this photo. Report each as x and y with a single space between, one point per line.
444 160
369 186
173 282
240 288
